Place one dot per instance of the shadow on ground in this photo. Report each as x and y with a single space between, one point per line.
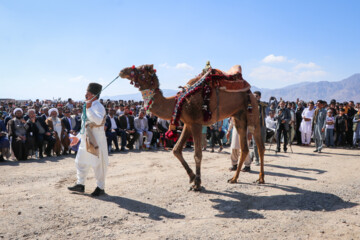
155 212
240 205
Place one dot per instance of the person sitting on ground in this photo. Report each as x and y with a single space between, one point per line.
142 127
17 129
71 124
126 122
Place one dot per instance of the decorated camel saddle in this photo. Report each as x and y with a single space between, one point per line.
208 81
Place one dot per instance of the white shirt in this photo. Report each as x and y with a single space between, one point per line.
270 122
113 123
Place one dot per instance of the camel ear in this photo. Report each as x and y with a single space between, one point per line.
150 67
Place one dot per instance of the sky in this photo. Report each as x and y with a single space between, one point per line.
54 49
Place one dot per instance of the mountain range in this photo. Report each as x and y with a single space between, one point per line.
344 90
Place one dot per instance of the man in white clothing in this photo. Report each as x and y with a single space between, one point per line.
306 124
142 127
93 147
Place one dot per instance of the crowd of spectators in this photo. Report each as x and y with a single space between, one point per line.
38 128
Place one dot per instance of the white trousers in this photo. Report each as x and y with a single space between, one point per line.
148 138
305 138
99 170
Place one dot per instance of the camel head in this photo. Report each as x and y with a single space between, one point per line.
143 77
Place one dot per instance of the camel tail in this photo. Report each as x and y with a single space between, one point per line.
252 107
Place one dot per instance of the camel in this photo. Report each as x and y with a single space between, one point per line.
223 104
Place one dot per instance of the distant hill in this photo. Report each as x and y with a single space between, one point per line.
344 90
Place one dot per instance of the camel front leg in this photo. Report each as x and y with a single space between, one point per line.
177 151
244 152
196 133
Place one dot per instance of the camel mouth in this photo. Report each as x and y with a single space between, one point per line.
122 73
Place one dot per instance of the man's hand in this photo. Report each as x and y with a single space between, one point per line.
322 130
283 121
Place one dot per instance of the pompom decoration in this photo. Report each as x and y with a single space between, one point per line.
133 67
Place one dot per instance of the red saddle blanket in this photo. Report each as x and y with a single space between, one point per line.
233 82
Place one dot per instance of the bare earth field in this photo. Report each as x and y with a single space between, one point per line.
306 196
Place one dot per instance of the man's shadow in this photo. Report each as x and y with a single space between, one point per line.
154 212
240 205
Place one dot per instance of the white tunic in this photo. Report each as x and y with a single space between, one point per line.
305 126
235 139
96 115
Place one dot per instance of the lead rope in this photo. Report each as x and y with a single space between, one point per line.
84 117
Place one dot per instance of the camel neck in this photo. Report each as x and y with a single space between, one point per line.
163 107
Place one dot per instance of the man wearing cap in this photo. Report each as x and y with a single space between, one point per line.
93 147
319 126
17 129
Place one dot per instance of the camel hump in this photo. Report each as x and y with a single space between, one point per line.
234 70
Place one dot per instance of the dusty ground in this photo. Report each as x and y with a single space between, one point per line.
306 196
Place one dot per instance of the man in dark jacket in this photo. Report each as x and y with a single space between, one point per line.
127 124
283 118
113 130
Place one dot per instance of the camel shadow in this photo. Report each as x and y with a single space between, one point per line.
154 212
33 160
296 169
240 205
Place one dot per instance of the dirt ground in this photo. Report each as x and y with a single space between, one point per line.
306 196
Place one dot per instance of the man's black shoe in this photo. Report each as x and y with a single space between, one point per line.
315 150
97 192
246 169
277 150
123 149
285 150
77 188
233 168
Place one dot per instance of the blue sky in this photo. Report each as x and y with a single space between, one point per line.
52 49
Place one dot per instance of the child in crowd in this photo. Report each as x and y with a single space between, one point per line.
329 129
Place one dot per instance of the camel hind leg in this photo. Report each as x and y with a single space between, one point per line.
177 151
196 133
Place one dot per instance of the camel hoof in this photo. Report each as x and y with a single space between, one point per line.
232 180
195 188
260 181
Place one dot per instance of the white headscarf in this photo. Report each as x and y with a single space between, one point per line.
17 109
53 109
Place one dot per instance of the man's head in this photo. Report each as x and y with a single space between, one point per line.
74 111
271 114
342 111
93 91
282 104
112 112
18 112
32 113
311 105
142 114
257 95
53 112
67 112
126 110
351 104
319 104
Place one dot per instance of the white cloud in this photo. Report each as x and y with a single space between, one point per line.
184 66
306 65
271 77
273 59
